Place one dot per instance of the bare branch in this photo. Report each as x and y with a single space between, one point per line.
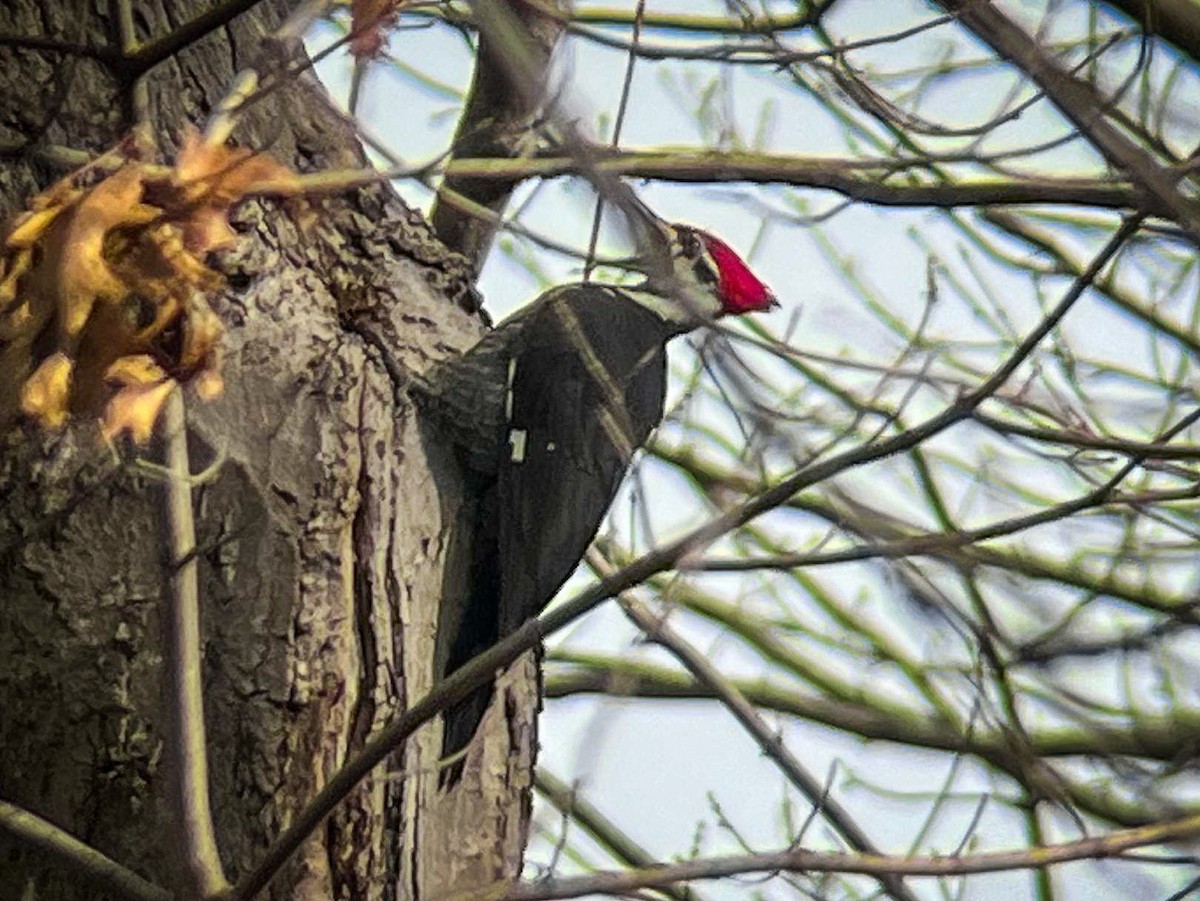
857 180
86 861
770 741
624 881
1079 103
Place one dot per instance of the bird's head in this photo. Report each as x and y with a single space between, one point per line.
705 278
705 264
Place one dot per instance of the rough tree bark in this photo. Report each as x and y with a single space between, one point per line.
323 536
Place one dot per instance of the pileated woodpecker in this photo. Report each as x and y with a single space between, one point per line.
546 412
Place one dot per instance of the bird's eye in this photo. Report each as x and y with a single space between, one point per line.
704 268
689 243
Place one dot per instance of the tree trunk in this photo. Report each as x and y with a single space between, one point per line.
322 536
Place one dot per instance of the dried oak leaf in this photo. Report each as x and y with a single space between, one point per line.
208 385
117 272
142 388
210 179
45 395
56 270
30 225
74 248
15 318
201 333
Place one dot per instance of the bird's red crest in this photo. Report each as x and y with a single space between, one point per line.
741 291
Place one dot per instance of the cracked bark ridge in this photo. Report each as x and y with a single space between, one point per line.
323 539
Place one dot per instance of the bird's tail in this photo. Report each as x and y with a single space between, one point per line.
475 629
462 720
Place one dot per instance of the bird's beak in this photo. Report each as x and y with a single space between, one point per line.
646 225
652 236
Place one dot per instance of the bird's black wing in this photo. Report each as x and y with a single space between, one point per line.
584 393
565 429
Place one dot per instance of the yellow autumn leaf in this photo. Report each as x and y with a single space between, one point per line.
84 275
46 394
208 384
30 226
144 388
138 369
212 178
14 267
135 409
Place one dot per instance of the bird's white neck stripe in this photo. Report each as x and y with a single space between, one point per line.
671 308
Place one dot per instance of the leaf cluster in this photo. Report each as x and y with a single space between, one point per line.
104 283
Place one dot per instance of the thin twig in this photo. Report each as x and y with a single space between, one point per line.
856 179
769 740
1079 102
618 126
140 59
621 882
103 872
186 744
605 832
